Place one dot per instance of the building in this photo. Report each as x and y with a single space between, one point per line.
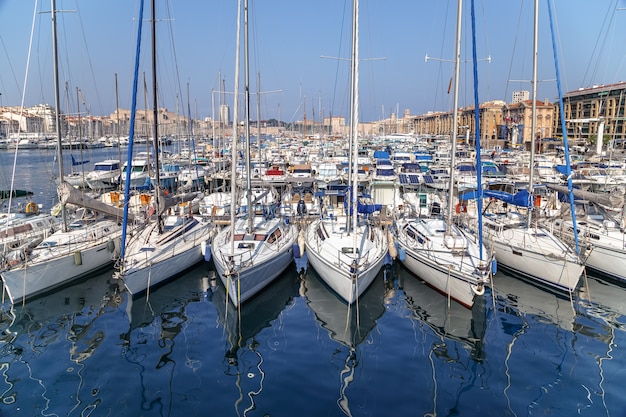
519 96
589 111
516 127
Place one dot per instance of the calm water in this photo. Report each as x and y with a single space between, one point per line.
297 350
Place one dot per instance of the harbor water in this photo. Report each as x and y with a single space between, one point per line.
296 349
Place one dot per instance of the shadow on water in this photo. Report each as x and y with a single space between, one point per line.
447 318
78 304
48 341
523 298
157 321
241 326
346 324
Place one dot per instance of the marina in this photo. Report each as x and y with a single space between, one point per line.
518 350
91 350
464 262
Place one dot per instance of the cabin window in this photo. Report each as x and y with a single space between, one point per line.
347 249
245 245
275 236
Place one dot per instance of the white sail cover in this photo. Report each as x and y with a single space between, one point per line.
68 194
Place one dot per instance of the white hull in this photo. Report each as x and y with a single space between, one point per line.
243 286
608 245
152 258
537 261
609 261
335 266
437 276
455 270
253 260
33 279
102 183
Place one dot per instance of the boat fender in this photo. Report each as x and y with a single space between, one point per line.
78 258
205 248
402 254
391 245
301 243
110 245
31 208
494 266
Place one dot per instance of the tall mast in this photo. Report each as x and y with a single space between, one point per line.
533 124
117 115
155 117
247 116
57 104
233 146
354 113
455 117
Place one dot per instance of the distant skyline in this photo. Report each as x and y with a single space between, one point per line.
290 42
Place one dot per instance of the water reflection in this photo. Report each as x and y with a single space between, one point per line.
602 304
451 338
158 320
242 325
530 315
447 318
64 324
526 299
347 324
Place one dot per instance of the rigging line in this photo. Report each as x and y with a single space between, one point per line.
597 49
8 61
513 54
19 129
170 32
93 74
334 96
441 53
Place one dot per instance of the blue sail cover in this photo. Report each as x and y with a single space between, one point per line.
520 199
75 162
368 208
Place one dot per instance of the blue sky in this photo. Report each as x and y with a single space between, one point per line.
196 44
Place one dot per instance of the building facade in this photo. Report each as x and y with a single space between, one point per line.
589 111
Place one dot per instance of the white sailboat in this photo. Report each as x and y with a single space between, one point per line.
436 250
171 243
91 242
599 229
348 251
531 251
255 249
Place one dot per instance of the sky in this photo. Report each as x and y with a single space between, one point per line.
299 54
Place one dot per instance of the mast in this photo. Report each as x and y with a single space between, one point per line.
455 117
247 116
479 170
131 131
117 115
155 117
233 145
354 115
533 124
57 104
80 138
